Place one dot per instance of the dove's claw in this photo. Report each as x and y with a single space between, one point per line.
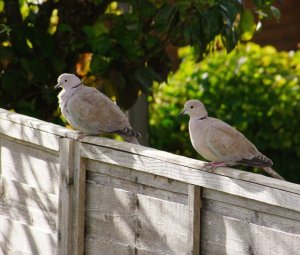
211 166
80 136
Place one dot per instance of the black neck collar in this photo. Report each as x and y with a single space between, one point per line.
77 85
202 118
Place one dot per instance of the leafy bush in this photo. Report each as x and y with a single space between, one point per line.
120 47
255 89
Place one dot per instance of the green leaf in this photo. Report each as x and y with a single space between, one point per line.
99 65
275 12
247 25
165 17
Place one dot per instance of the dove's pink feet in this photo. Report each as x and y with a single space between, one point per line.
211 166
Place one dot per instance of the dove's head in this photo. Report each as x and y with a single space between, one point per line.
195 109
68 81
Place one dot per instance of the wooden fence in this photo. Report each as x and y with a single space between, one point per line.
100 196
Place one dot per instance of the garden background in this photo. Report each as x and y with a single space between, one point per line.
152 56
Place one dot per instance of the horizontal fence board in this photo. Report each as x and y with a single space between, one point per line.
33 123
20 237
7 249
186 174
226 235
252 216
32 166
192 163
134 187
29 134
96 246
213 195
125 216
162 183
28 206
162 226
110 214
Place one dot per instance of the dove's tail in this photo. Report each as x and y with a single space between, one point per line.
273 173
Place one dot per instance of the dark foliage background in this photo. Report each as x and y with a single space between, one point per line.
120 47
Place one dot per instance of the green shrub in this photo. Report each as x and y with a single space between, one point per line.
256 89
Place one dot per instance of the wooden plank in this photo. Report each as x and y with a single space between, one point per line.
79 201
29 134
33 166
34 123
213 195
72 199
190 175
194 205
110 214
192 163
253 216
131 175
119 216
19 238
162 226
10 119
227 235
96 246
165 194
28 206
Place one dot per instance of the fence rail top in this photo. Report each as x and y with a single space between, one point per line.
48 128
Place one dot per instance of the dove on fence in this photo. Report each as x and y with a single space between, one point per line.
220 143
91 112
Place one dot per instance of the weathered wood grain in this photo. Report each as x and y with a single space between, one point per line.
131 175
129 218
79 201
29 134
20 238
194 216
227 235
254 205
96 246
192 163
135 200
110 214
28 206
190 175
32 166
252 216
135 187
71 199
23 120
162 226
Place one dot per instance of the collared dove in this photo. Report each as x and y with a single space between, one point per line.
91 112
220 143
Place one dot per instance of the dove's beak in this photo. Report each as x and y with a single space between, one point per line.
57 86
182 112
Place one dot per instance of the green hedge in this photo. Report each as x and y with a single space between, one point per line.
256 89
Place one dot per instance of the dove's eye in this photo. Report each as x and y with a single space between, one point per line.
192 107
66 80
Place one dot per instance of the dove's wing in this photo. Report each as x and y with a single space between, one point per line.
95 112
228 143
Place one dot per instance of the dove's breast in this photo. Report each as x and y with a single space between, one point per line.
198 130
66 102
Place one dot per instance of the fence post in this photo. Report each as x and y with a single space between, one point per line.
194 205
71 198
